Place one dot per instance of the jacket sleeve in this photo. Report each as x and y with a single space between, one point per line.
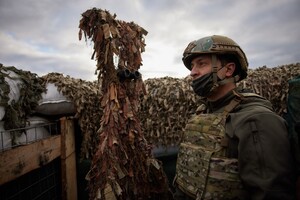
265 161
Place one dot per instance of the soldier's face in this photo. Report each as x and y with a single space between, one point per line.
202 65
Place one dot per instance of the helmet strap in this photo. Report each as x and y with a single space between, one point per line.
228 80
214 71
214 68
215 75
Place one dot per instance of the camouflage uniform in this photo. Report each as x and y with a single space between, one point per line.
238 148
231 155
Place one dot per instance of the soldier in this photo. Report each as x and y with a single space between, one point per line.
235 146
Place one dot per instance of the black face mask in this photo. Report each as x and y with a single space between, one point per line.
202 86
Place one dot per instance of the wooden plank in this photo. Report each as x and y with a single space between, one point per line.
71 177
68 160
23 159
68 135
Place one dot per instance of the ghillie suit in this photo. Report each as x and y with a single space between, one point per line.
122 166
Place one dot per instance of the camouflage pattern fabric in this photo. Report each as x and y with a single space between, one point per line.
203 171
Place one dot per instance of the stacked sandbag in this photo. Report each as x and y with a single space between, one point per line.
5 138
36 128
10 92
11 84
19 93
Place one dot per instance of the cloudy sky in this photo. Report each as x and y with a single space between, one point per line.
41 36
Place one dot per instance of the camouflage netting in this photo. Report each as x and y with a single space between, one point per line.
122 166
166 107
163 111
272 83
170 102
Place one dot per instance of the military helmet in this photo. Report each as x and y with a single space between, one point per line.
216 44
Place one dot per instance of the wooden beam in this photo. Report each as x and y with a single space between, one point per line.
68 159
23 159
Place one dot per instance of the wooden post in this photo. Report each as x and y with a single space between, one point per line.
68 159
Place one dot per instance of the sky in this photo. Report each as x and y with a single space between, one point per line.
41 36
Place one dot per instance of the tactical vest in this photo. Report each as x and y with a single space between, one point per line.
203 171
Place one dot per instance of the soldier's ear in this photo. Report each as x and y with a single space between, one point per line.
230 68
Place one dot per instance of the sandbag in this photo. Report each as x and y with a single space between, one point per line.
5 138
53 102
2 112
14 82
35 129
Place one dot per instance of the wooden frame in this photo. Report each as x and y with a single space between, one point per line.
20 160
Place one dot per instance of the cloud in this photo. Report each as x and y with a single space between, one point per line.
42 36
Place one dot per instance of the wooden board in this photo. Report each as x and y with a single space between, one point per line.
23 159
68 160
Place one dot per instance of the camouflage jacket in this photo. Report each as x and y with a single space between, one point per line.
258 139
